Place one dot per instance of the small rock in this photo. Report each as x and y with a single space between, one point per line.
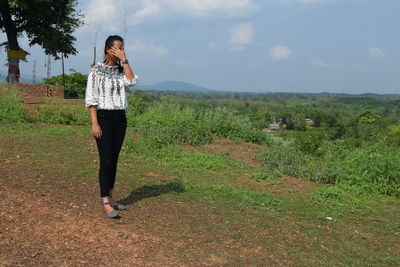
364 236
35 254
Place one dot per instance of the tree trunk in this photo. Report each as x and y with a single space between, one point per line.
11 31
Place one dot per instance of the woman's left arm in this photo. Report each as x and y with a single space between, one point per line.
129 79
128 71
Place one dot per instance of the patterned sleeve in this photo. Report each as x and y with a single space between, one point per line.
130 82
92 90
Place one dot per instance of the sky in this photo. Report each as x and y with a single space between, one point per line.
338 46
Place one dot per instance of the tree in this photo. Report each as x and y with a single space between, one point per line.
74 83
368 116
47 23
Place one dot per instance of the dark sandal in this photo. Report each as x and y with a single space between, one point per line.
119 206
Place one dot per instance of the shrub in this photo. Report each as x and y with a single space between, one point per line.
11 107
225 123
59 113
393 136
310 141
374 168
138 103
164 124
282 158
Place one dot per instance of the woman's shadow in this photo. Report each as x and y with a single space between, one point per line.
176 185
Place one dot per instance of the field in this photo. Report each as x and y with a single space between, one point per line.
194 198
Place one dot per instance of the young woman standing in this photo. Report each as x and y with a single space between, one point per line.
106 98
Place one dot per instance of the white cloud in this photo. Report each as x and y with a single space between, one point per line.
150 49
318 63
280 52
210 8
102 14
148 9
241 35
108 14
375 52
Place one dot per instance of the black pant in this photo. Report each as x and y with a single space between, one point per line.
113 125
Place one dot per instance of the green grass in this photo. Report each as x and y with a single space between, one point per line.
335 201
225 194
173 156
11 108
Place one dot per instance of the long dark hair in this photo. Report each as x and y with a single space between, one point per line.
109 43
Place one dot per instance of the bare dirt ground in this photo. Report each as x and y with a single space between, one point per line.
39 229
50 221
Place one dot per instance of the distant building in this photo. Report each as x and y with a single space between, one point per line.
309 121
274 127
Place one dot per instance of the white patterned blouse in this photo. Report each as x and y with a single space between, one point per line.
106 87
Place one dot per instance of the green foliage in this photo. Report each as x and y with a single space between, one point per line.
57 112
393 136
56 27
324 117
164 124
368 115
74 83
282 158
337 201
139 102
227 194
11 108
225 123
300 125
261 117
373 168
263 175
172 156
310 141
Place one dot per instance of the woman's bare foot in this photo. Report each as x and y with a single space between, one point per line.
107 207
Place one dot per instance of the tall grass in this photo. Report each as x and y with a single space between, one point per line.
165 124
11 106
58 112
173 156
373 168
224 122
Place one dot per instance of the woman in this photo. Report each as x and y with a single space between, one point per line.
106 98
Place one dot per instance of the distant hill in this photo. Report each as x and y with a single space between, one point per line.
173 86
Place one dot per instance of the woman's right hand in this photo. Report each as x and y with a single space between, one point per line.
96 131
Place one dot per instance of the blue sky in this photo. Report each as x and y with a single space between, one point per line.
342 46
